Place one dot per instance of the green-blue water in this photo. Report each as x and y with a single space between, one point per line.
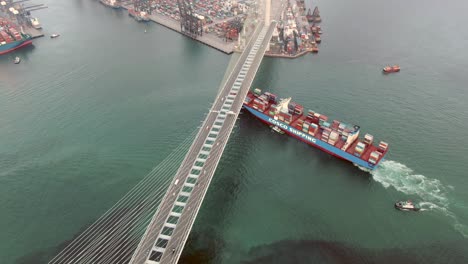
85 116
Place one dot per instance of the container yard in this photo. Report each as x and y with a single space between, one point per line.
297 33
218 24
214 23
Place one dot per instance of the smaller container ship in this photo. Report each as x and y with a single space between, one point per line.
111 3
390 69
11 39
336 138
139 16
35 23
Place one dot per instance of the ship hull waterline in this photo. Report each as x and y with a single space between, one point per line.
13 47
326 148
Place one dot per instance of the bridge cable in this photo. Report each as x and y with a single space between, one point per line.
98 233
131 198
95 233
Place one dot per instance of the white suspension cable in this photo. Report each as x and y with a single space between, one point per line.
129 199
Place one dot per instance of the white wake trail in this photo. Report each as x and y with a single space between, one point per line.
433 193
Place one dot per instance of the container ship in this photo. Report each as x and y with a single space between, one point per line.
11 39
336 138
140 16
111 3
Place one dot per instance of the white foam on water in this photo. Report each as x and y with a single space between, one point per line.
433 193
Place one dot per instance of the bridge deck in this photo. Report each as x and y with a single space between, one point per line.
168 231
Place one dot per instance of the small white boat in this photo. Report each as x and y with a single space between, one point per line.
17 60
54 35
278 130
407 206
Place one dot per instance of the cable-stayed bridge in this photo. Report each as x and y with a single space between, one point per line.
114 238
164 240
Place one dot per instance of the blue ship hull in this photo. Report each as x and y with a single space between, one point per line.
312 140
8 47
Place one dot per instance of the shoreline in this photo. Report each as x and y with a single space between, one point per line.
209 40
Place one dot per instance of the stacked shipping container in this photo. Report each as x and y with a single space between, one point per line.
6 37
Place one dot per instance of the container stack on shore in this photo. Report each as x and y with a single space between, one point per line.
297 33
222 21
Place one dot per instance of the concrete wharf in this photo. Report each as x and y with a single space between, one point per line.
207 38
35 33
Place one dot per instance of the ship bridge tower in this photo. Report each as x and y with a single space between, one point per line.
282 106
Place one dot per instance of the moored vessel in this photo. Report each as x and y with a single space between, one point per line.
140 16
111 3
334 137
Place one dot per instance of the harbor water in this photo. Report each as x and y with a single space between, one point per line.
84 117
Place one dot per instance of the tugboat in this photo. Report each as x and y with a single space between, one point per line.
389 69
111 3
315 49
17 60
277 130
407 206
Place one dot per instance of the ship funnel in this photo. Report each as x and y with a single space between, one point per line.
282 106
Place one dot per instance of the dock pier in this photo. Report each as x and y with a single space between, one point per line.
207 39
34 33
